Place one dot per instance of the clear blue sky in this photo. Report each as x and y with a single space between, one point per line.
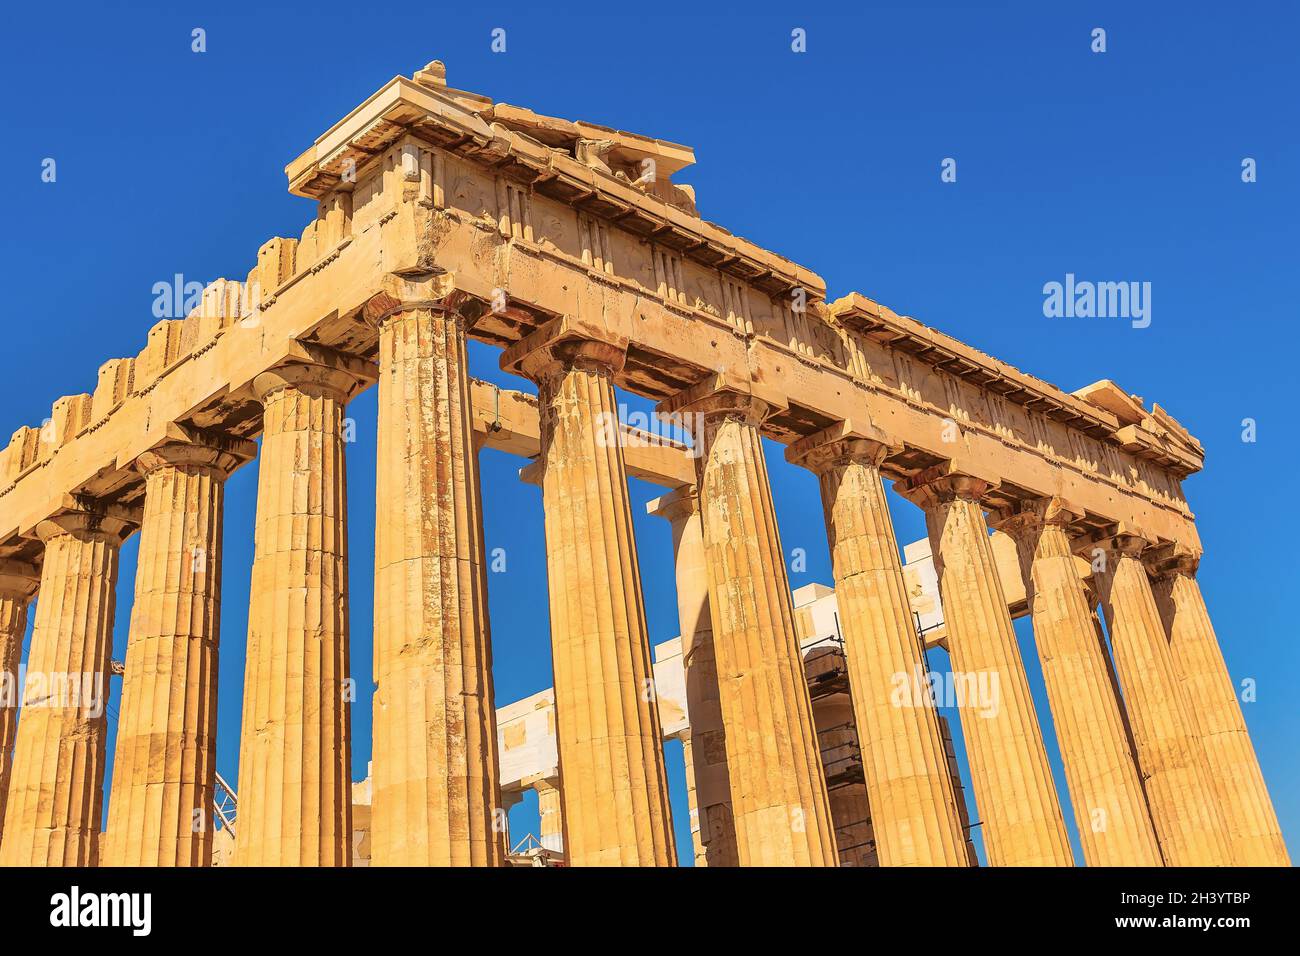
1117 166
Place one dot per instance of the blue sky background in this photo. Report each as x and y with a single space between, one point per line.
1117 166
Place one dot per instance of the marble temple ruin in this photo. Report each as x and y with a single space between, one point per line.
442 217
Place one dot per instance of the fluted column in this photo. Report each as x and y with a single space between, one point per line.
550 814
699 851
1184 810
913 807
436 795
1171 758
704 743
509 800
615 793
56 789
1021 814
18 583
778 789
295 781
1235 775
160 804
1110 807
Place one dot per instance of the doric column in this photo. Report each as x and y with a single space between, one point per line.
1110 808
295 780
1248 814
550 813
699 851
56 789
509 800
18 583
914 810
1172 761
615 792
436 799
778 790
704 743
160 804
1017 800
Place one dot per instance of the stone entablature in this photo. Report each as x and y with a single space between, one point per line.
448 182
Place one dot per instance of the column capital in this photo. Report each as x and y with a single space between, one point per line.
532 473
19 579
716 398
1167 560
402 294
317 371
1030 516
682 502
540 782
1123 539
89 518
945 482
843 443
563 344
197 448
